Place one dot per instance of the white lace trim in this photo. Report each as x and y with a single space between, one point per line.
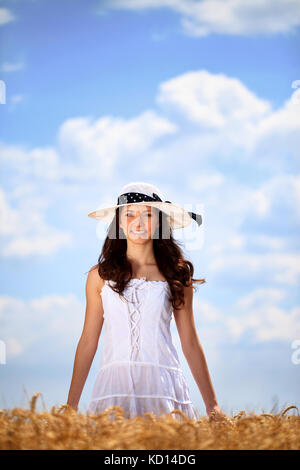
143 396
141 363
144 279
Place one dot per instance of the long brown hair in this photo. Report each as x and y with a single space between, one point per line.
114 265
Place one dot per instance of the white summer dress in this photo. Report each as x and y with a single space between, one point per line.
139 366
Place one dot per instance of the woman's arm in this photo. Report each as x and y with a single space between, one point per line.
88 342
198 366
194 353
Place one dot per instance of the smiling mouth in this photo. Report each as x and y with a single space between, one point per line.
139 232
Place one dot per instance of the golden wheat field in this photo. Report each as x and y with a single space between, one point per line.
65 429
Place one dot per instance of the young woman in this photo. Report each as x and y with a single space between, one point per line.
141 278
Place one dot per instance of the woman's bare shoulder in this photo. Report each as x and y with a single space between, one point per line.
94 278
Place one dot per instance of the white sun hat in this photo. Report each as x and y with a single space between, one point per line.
149 195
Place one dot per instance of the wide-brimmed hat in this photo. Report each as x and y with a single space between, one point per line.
149 195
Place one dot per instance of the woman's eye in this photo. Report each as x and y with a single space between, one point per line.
130 215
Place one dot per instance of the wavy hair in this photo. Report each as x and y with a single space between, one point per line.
114 265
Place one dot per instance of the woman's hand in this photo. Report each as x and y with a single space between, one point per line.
216 414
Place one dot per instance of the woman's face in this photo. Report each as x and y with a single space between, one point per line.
139 222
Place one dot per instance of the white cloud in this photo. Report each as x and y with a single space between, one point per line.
25 233
159 36
283 196
274 201
17 99
32 164
6 16
13 347
276 137
221 119
233 17
218 118
12 66
43 244
260 297
87 152
214 101
279 268
14 101
256 314
267 242
259 314
9 217
99 146
206 180
44 328
205 311
251 233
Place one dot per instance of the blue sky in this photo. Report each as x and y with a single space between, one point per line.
198 98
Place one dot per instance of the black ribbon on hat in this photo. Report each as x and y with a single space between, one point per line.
135 198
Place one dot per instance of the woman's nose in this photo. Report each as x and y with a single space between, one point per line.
137 222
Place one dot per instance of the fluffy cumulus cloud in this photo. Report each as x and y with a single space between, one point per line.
254 231
30 164
6 16
24 231
226 114
87 152
234 17
41 330
98 147
259 313
213 101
